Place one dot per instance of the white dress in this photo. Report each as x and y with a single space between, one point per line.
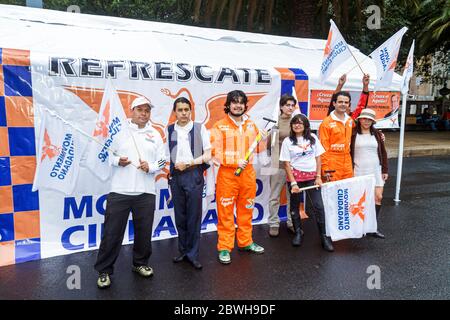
366 158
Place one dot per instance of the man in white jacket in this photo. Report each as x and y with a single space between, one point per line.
132 189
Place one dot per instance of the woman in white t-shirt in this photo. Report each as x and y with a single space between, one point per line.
300 153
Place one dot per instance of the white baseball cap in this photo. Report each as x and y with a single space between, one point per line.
140 101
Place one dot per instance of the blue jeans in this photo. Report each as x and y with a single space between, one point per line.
432 124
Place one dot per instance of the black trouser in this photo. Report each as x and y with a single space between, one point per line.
118 207
313 201
187 190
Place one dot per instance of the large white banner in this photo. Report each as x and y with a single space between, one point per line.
73 87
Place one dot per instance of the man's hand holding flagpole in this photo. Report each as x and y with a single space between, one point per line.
261 135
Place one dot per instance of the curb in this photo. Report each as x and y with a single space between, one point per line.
420 151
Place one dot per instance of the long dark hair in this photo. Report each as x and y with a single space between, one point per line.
359 130
306 132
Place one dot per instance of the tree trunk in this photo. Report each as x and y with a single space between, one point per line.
304 12
337 12
358 15
219 15
345 8
237 12
210 6
197 6
323 17
268 16
260 10
252 4
231 9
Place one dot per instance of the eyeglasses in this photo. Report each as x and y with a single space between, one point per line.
297 122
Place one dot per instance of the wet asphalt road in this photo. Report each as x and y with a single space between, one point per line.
414 259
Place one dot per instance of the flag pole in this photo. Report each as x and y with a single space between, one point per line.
400 152
355 60
314 186
83 133
365 58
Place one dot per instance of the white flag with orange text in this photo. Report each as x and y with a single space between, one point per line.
350 207
111 127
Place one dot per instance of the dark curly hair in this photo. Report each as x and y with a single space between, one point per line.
235 96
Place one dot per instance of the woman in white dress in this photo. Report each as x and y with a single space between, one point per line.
369 156
300 153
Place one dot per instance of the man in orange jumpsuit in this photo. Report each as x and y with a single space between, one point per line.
335 134
231 137
336 130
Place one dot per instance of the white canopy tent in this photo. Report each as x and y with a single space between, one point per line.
67 224
119 38
99 36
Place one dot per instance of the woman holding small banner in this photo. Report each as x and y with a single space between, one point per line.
300 153
369 156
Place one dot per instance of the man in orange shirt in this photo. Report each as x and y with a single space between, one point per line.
231 137
335 134
363 98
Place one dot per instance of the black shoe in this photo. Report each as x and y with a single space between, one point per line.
327 244
377 234
298 237
196 264
179 258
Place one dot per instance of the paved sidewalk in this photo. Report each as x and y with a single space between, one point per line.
419 143
413 260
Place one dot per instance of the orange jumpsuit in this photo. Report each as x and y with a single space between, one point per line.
335 137
229 145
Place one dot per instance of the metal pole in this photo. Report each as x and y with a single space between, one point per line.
400 152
